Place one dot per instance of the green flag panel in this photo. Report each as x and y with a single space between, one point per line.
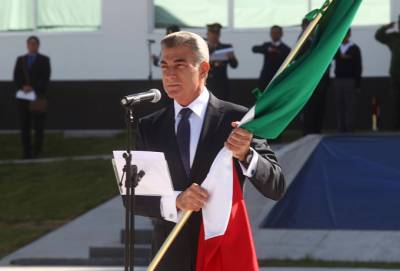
285 96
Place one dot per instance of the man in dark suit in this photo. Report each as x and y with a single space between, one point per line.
190 132
348 69
32 74
392 40
275 52
217 80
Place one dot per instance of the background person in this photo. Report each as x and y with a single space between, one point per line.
32 73
217 80
275 52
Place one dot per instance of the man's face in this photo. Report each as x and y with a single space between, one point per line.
182 79
276 34
212 37
33 46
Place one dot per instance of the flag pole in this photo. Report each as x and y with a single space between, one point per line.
292 55
303 38
167 243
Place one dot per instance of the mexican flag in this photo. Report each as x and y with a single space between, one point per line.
225 242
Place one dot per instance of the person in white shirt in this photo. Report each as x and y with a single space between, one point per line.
275 52
190 132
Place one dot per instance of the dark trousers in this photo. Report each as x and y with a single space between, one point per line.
396 100
29 120
346 104
314 111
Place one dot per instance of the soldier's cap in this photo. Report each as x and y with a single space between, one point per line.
215 27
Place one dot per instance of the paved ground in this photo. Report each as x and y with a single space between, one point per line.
101 226
328 245
143 269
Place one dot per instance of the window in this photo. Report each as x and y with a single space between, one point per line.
190 13
255 13
50 15
263 13
373 12
16 15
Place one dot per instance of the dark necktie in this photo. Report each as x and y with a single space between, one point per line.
31 60
183 138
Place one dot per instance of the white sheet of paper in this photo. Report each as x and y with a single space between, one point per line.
28 96
157 179
221 54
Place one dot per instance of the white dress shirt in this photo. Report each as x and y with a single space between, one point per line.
276 43
345 47
198 106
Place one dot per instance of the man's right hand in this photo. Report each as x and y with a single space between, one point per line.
390 25
27 88
192 199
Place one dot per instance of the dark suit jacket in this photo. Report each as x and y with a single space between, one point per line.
217 79
38 76
219 72
349 65
273 58
157 133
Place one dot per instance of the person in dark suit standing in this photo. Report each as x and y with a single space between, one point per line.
217 80
32 74
190 132
392 40
314 110
275 52
348 69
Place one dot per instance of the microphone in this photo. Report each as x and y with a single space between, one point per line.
153 95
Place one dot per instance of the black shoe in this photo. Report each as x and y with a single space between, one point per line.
27 156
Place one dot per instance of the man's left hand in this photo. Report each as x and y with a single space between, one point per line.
239 141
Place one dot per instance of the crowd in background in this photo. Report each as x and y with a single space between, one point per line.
32 75
347 70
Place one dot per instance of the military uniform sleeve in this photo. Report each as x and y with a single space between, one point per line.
382 36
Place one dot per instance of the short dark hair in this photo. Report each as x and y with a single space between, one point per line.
215 28
348 33
35 38
277 27
305 22
173 28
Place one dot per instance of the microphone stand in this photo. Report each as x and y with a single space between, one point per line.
132 179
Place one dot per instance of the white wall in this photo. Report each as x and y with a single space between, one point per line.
119 49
